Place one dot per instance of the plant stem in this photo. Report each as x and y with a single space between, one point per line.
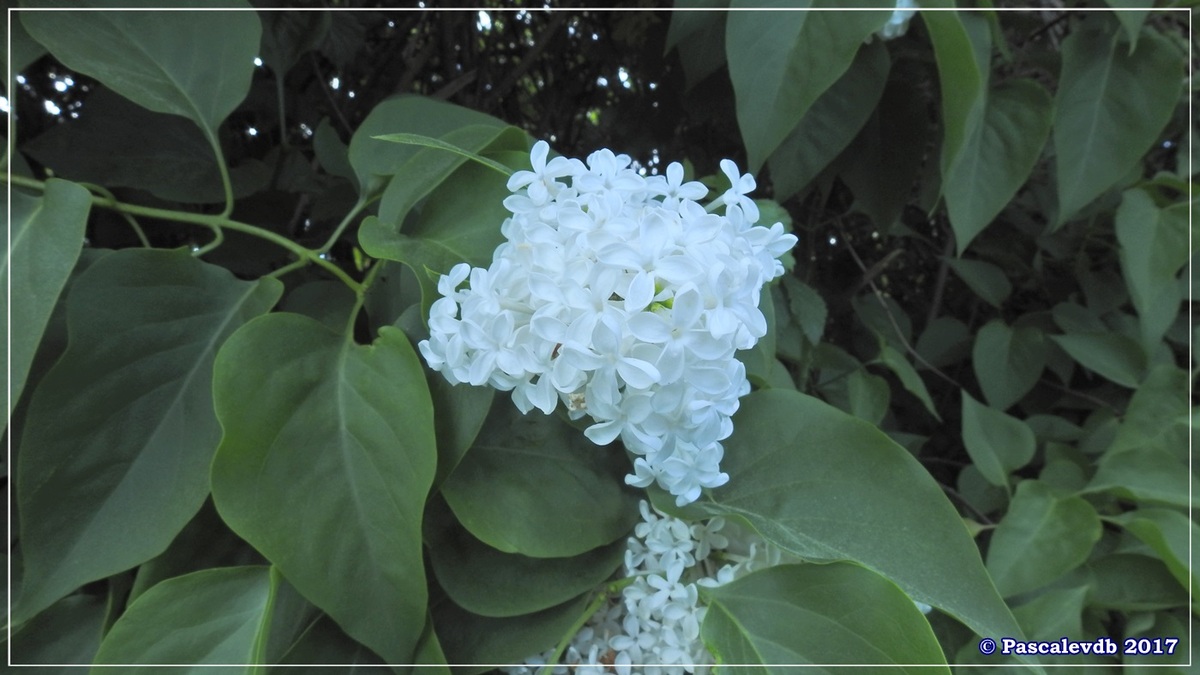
226 183
214 222
593 607
133 223
337 232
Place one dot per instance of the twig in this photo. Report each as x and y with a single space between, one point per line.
527 60
940 286
888 311
329 95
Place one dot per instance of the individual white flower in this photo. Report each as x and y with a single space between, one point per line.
625 299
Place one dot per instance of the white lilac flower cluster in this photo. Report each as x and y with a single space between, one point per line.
654 627
623 297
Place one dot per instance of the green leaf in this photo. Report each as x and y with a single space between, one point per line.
944 341
1152 420
1154 246
459 223
807 307
331 152
151 57
1169 533
701 42
536 486
760 359
129 146
1132 14
1149 475
439 144
825 486
885 159
25 50
1008 361
1054 614
326 461
831 123
962 47
324 645
997 156
1099 136
327 300
114 460
459 411
203 543
837 613
1131 583
67 633
788 58
287 36
488 582
472 639
372 158
998 443
1043 536
898 364
216 616
985 279
46 233
432 165
867 396
1110 355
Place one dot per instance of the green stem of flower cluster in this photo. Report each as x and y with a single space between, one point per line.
593 607
216 223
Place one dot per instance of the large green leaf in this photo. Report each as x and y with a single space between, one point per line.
1043 536
1007 361
826 486
1111 106
1154 245
1110 355
287 36
488 582
962 47
429 167
459 411
210 617
885 159
837 613
535 486
324 646
197 64
129 146
1153 419
327 458
1132 14
1169 533
1150 475
781 62
46 233
472 639
998 443
997 156
68 632
114 459
459 223
374 159
831 123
